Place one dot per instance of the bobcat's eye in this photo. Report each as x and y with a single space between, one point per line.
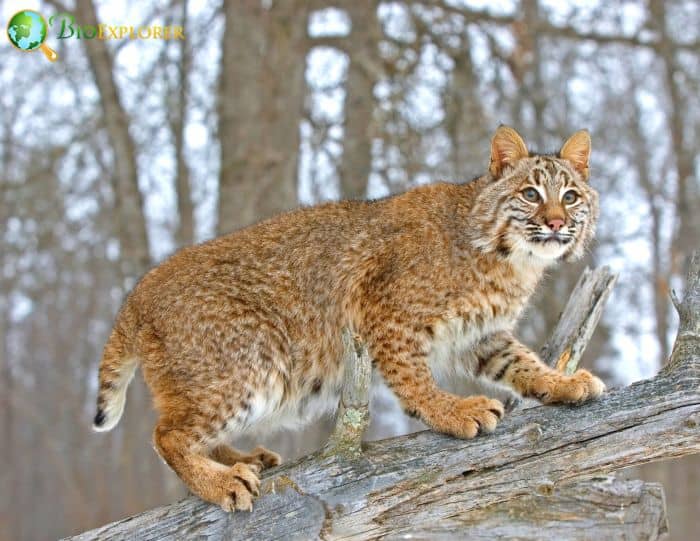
531 195
570 197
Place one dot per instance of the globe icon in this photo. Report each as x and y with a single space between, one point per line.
27 31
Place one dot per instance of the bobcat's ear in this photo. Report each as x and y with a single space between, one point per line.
507 147
577 150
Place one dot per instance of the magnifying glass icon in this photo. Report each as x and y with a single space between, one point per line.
27 30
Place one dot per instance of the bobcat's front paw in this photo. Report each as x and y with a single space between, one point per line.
574 389
466 417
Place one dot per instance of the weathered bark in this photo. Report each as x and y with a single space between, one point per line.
426 481
607 507
353 409
260 101
687 342
602 508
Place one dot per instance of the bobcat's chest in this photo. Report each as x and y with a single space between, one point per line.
453 338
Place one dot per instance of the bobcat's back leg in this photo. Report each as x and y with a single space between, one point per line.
260 457
232 487
195 410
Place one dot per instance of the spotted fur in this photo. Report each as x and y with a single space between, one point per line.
242 334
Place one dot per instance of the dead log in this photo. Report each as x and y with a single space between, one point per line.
424 482
601 508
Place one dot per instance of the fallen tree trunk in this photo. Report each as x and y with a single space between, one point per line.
608 507
413 482
425 482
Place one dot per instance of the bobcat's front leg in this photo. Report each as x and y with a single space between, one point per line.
503 358
403 363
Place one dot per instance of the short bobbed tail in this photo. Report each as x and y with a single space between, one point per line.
116 372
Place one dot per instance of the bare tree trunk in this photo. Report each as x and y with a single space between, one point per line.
680 478
261 97
184 234
7 474
464 116
660 260
534 87
678 475
363 50
260 102
133 237
687 191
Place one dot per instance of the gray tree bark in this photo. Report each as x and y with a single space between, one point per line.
432 485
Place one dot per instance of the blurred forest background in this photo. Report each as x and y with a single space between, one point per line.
122 151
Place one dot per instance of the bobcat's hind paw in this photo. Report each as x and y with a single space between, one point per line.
264 458
240 486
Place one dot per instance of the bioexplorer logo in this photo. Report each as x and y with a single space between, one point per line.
27 30
68 28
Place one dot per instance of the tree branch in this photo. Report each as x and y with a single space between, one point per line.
577 322
484 16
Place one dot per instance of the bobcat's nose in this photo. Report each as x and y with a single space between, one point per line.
555 224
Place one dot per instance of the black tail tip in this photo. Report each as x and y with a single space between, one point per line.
99 418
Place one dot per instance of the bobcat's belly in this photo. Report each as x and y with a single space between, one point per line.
272 410
453 339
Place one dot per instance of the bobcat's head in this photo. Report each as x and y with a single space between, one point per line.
538 206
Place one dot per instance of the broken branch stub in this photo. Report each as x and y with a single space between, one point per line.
577 322
353 409
687 344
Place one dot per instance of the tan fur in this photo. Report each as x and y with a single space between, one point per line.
242 334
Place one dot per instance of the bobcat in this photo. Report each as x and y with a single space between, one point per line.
242 334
